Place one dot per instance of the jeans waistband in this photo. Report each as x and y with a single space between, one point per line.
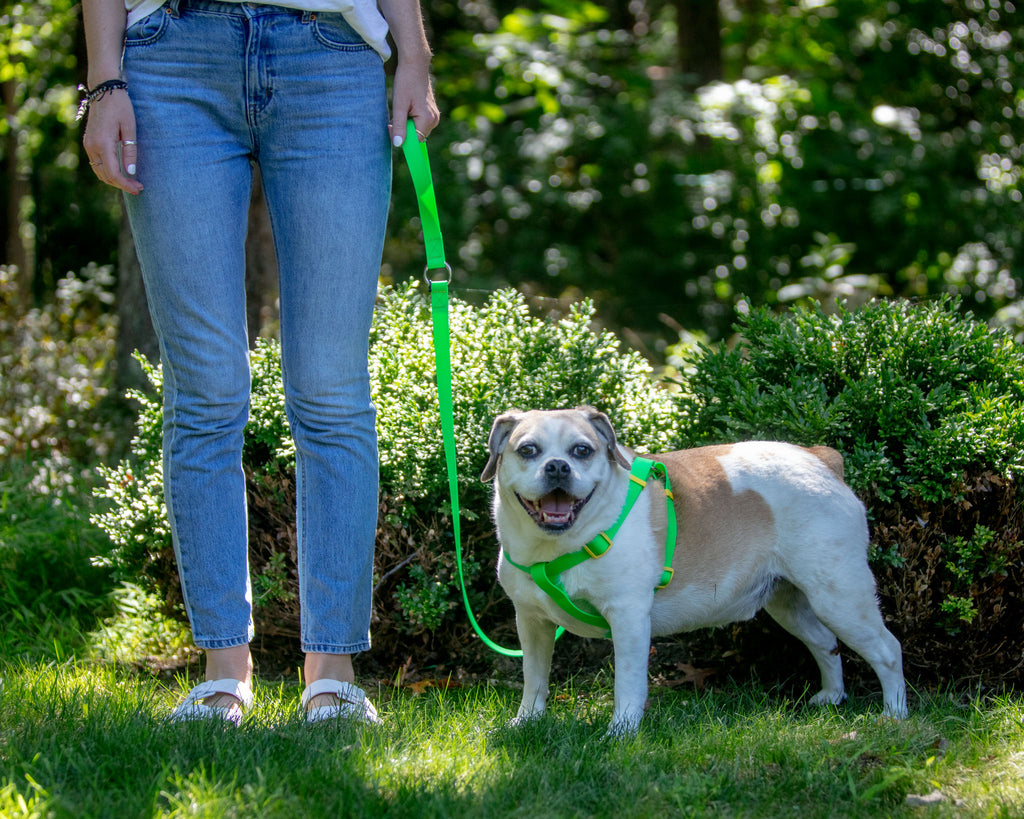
175 7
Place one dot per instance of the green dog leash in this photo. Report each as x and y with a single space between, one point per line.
546 574
419 168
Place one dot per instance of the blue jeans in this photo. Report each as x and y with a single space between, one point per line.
217 87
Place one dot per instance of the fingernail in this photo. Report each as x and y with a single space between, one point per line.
397 140
131 170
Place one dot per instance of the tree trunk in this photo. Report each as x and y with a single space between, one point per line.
261 288
19 247
700 41
135 330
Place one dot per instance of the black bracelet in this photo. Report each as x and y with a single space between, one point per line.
97 93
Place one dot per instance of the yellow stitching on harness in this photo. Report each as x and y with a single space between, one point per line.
671 573
640 481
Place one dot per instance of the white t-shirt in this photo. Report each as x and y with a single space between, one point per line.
362 15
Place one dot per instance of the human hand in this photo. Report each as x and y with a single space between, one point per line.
412 97
110 141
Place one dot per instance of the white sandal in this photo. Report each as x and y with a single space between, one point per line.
192 707
352 704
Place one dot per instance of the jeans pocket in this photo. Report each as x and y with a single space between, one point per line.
147 30
331 29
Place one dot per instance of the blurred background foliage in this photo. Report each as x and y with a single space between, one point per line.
677 161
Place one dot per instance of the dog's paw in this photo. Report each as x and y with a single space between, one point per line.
523 719
825 697
624 726
896 711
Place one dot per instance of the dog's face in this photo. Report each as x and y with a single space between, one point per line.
551 463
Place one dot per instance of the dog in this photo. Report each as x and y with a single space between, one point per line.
760 525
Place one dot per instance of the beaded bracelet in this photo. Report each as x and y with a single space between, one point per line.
97 93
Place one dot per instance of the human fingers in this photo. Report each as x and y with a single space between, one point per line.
425 119
412 98
116 166
129 156
111 146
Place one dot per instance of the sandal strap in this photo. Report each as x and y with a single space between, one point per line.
193 708
344 691
233 688
352 704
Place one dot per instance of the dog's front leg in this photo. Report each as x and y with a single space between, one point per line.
537 638
631 638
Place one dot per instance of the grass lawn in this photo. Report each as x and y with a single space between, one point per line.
82 736
82 740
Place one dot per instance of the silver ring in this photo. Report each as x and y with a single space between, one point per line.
430 281
129 142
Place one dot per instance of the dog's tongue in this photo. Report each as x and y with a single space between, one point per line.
555 507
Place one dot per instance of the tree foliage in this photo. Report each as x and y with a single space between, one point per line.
863 147
58 218
855 148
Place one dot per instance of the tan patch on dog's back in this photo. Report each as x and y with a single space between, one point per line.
717 527
832 459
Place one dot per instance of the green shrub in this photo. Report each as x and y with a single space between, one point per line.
924 402
927 406
503 357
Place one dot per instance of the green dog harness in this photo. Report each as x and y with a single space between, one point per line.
547 574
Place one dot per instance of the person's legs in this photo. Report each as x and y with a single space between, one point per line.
325 160
189 226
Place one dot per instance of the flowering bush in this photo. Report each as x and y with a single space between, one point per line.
56 375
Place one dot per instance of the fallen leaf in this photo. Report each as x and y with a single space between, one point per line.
444 684
697 676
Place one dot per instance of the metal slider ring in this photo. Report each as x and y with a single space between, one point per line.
430 281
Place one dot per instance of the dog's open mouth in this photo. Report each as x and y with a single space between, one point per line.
555 511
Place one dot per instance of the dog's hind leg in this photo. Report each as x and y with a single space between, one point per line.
790 609
537 637
852 613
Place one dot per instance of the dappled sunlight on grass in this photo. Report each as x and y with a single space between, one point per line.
88 740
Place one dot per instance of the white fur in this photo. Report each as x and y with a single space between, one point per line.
762 525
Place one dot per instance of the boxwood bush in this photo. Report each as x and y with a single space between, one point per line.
503 357
927 406
924 402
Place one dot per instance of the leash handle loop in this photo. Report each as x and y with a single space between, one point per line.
418 160
419 167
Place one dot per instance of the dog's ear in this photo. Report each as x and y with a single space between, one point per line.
500 431
604 429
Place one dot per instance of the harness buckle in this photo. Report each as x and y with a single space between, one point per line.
596 554
670 573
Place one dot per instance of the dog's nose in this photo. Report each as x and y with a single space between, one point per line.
557 469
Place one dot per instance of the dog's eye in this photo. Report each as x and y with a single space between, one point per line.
582 451
528 451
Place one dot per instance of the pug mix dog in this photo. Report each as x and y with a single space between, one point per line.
758 526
